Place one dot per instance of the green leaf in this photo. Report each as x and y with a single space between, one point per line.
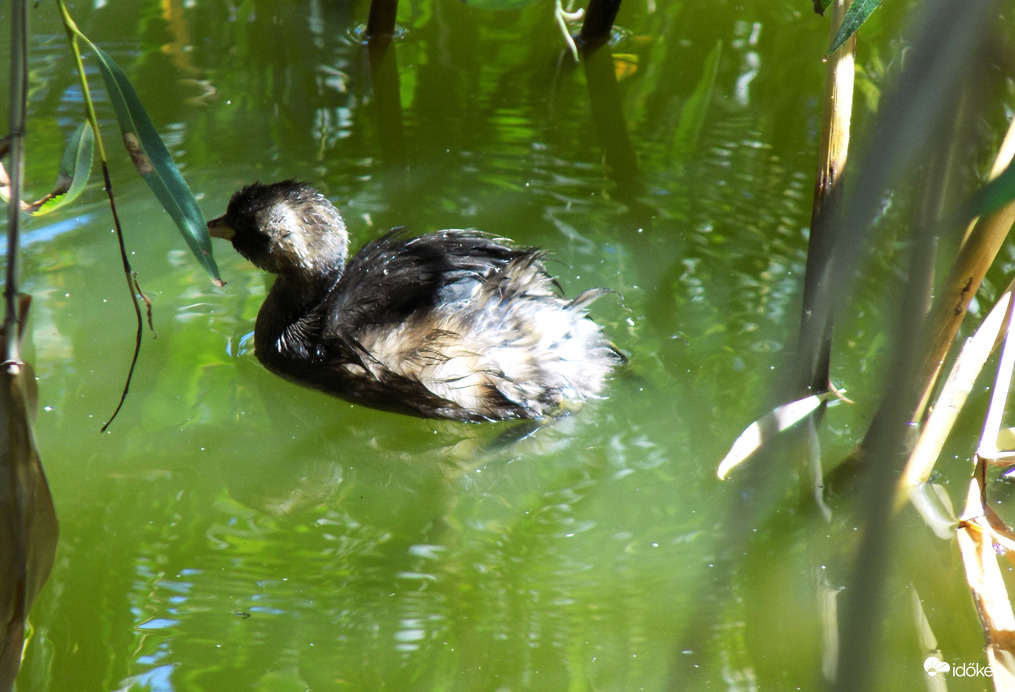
153 161
856 15
72 177
694 110
820 6
990 197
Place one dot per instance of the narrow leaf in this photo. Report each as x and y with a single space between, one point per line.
72 176
956 389
153 161
856 15
991 196
75 166
763 429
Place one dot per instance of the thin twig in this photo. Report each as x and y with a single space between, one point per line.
129 273
73 33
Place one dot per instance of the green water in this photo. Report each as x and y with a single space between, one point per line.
233 531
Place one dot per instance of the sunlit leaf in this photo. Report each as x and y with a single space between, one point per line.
75 166
72 176
763 429
695 109
153 161
952 397
856 15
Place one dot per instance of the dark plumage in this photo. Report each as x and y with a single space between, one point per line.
451 324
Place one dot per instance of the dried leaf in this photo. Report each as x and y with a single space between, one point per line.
991 597
28 525
953 396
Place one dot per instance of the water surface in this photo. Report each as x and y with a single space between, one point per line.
234 531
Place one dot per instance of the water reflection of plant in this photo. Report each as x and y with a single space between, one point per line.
28 526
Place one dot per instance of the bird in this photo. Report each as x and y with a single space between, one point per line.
455 324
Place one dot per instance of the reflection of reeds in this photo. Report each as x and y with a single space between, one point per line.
381 21
28 526
598 23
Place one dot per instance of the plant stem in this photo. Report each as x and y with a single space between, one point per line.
73 34
381 21
598 22
18 116
816 318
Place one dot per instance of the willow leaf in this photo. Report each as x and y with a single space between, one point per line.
153 161
856 15
75 166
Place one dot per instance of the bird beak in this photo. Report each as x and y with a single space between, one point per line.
220 228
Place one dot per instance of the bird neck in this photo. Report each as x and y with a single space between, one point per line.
300 292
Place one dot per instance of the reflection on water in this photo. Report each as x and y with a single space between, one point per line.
234 531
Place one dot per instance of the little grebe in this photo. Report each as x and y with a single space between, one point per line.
451 324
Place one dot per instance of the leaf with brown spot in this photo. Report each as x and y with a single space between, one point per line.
153 161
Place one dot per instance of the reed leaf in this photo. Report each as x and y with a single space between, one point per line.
856 15
765 428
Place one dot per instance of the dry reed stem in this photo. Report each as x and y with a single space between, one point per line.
956 389
980 529
979 248
976 536
816 320
834 146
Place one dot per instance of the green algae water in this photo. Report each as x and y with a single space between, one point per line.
233 531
